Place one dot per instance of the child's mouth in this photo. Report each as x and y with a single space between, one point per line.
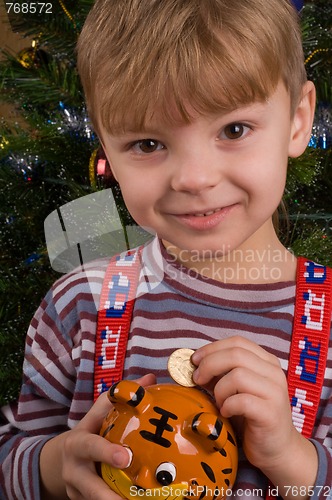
203 221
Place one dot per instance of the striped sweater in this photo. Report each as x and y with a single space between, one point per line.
174 308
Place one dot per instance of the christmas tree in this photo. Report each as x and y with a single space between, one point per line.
44 162
308 193
50 158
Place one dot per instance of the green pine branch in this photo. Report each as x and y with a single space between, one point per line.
59 27
44 86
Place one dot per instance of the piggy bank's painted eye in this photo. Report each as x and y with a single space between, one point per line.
165 473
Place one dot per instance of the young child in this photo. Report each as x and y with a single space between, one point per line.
198 105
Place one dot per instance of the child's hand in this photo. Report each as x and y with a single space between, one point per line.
249 384
78 451
82 448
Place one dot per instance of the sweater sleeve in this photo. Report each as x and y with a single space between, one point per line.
323 486
322 435
57 385
322 440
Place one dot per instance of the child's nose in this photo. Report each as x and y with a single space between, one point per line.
195 175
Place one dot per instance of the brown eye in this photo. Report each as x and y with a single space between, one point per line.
234 131
148 146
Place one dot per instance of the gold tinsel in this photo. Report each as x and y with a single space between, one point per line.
92 169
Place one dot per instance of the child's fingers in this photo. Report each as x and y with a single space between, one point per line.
89 486
271 389
148 379
94 448
232 343
220 362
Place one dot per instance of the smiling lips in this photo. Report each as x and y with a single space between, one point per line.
204 220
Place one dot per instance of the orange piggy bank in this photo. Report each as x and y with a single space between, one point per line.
179 444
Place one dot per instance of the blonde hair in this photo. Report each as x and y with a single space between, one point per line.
173 57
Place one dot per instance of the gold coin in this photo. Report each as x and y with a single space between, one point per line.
181 368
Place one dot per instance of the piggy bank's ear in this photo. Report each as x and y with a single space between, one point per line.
211 428
127 392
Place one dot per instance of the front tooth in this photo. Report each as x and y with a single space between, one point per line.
208 213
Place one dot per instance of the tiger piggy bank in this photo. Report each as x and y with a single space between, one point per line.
180 446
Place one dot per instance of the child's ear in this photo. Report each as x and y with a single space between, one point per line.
302 121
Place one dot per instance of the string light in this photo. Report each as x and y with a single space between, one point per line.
317 51
68 14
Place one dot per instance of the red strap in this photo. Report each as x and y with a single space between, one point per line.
310 342
309 348
114 319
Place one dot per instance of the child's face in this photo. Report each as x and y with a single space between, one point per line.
210 185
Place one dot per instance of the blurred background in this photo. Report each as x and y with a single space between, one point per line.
49 155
